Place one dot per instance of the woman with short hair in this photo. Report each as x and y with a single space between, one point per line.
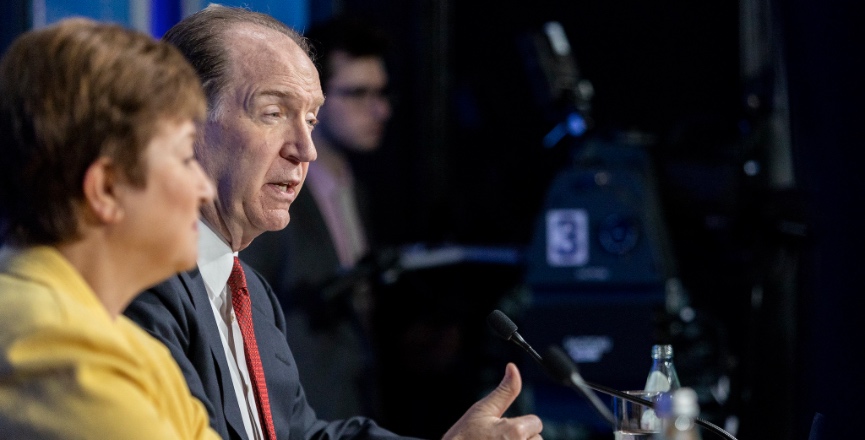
99 199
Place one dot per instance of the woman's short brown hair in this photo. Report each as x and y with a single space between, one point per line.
69 94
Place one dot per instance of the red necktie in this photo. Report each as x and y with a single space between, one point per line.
243 310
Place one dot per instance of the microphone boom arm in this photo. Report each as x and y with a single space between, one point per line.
507 330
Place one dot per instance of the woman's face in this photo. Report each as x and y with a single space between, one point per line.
161 218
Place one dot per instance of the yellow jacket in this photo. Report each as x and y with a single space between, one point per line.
68 371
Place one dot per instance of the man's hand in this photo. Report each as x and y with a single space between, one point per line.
484 419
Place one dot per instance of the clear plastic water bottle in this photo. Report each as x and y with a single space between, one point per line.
662 376
678 412
662 379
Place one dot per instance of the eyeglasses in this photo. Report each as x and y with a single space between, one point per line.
362 94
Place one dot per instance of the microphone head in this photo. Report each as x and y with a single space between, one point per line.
501 324
559 364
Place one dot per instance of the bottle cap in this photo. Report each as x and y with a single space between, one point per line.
662 351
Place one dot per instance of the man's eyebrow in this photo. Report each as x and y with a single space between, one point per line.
273 92
318 101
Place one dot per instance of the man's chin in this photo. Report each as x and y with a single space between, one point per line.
277 223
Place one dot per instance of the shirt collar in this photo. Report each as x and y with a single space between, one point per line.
215 260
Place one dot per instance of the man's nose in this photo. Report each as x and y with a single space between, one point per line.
297 145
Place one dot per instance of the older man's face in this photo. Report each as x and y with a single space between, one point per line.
257 144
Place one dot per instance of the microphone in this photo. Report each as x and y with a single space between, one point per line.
507 330
557 364
564 370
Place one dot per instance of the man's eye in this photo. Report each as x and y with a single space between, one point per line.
272 112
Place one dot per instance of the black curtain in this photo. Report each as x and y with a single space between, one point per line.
825 44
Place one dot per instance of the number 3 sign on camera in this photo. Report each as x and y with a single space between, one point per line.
567 237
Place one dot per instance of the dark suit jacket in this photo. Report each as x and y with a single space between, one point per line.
178 313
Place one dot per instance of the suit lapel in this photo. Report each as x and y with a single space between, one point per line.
204 315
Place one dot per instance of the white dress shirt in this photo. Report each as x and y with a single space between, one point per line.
215 262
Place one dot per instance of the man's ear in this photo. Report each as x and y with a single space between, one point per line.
100 191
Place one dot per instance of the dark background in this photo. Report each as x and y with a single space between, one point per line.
772 270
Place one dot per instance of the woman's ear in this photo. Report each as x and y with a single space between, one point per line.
101 190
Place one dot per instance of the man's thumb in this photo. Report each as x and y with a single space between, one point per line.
501 398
